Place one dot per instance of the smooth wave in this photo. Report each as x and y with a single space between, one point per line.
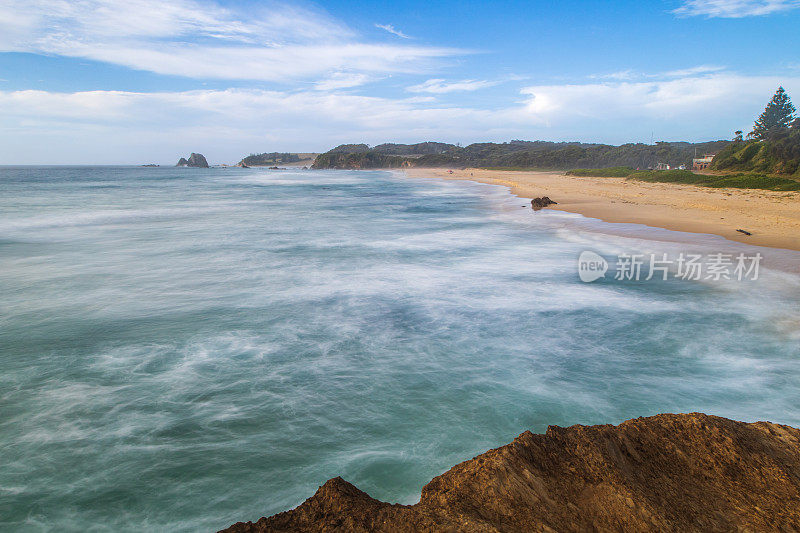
182 348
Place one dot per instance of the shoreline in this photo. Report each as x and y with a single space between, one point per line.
772 217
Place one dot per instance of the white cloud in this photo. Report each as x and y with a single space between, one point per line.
734 8
115 126
440 86
128 127
394 31
690 99
201 39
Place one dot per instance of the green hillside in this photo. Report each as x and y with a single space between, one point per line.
515 154
778 154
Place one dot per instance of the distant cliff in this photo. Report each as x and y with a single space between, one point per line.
195 160
677 473
269 159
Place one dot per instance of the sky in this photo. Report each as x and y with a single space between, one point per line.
149 81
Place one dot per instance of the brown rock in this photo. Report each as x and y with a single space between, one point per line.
539 203
670 472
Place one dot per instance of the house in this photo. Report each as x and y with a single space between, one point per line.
702 163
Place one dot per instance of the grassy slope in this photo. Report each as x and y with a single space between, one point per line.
778 155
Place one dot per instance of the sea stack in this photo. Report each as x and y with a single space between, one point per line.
195 160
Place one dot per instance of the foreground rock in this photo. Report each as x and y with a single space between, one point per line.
539 203
195 160
687 472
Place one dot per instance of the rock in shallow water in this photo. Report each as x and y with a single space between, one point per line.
669 472
544 201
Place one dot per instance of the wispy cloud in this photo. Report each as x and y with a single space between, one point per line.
734 8
394 31
203 39
630 74
693 71
342 80
441 86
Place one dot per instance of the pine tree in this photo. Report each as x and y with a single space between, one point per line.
779 113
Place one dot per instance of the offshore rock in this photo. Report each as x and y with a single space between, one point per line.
195 160
669 472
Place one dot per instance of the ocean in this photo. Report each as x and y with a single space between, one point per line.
181 349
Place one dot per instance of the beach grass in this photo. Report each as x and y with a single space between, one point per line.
741 180
612 172
523 169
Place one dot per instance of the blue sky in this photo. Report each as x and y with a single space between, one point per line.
134 81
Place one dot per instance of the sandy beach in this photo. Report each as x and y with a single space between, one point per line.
773 218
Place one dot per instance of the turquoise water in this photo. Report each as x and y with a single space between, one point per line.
181 349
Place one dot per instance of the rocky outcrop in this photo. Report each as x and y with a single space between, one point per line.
195 160
670 472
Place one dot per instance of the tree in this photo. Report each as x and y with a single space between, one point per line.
737 136
779 113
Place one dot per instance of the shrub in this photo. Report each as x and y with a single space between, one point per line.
735 181
611 172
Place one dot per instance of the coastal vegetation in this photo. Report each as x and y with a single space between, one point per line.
514 154
741 180
778 154
610 172
769 158
357 160
269 158
778 114
773 147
